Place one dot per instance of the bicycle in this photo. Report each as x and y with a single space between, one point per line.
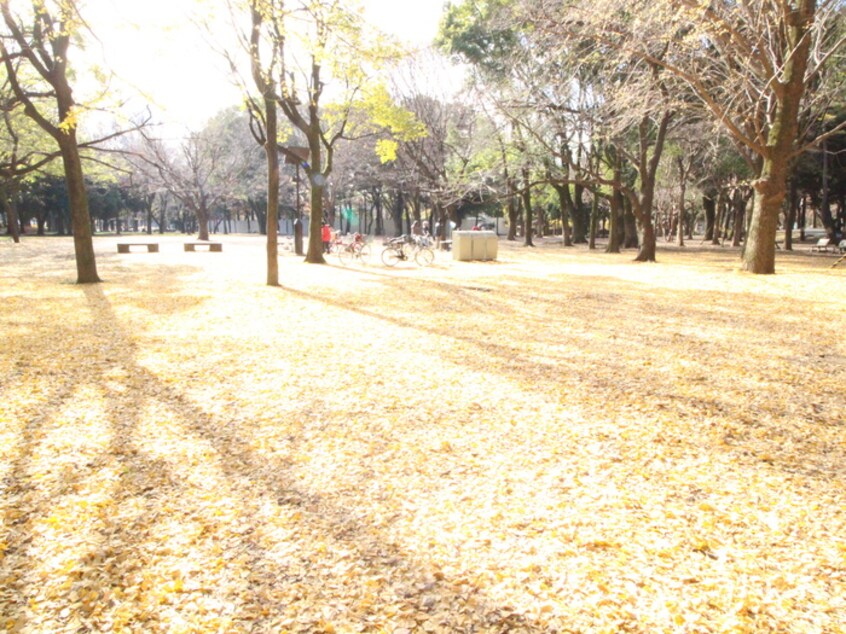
407 248
348 252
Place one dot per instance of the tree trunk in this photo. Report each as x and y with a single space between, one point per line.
580 218
272 216
594 221
513 210
759 254
770 188
631 239
527 209
647 246
739 206
615 235
10 202
314 253
202 221
709 205
647 250
565 202
86 265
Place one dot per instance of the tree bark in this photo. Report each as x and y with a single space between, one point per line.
580 218
86 265
648 171
272 216
202 214
615 235
648 244
631 239
770 187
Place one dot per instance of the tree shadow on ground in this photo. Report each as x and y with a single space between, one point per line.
111 570
626 333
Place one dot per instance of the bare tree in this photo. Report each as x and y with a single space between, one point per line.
749 65
203 171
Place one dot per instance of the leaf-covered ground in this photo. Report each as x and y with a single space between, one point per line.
558 441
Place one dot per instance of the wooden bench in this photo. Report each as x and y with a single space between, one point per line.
822 245
212 246
124 247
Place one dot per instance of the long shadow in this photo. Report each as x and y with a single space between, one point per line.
418 586
25 493
407 582
503 356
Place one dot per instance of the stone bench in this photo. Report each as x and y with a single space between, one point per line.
124 247
212 246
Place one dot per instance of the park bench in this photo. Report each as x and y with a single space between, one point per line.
212 246
823 245
124 247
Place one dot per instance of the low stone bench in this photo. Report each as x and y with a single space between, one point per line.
823 245
212 246
124 247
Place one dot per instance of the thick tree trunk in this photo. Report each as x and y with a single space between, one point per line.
615 233
314 253
202 221
272 216
759 254
647 245
770 188
631 240
86 265
580 218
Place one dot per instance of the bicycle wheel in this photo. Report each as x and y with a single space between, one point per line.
390 256
345 255
364 252
424 256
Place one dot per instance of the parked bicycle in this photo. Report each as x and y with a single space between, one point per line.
355 250
408 248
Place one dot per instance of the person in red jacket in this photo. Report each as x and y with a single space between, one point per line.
326 236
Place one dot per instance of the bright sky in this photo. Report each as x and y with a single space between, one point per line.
153 47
